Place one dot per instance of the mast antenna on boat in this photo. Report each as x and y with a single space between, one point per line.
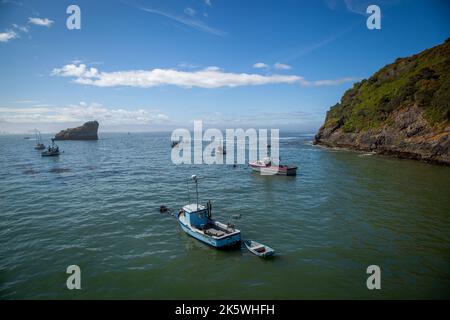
189 192
194 177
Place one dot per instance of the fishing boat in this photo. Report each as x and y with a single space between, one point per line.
196 220
259 249
39 145
52 150
265 167
175 143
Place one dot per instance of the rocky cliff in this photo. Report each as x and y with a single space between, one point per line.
402 110
87 131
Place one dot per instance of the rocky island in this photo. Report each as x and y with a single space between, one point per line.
401 110
87 131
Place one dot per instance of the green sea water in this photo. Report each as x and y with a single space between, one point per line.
96 206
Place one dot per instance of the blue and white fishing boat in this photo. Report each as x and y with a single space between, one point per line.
196 221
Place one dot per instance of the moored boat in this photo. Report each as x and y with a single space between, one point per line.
259 249
39 145
196 220
265 167
221 148
175 144
52 150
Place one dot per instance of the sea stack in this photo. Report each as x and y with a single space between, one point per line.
402 110
87 131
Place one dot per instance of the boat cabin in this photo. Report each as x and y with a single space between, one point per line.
196 215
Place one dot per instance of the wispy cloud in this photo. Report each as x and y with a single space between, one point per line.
296 53
26 101
209 78
282 66
260 65
8 35
192 23
186 65
21 28
41 22
357 6
277 66
334 82
190 12
17 3
207 2
18 29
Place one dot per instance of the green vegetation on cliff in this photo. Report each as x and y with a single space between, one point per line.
422 80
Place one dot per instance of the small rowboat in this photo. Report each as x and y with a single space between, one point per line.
259 249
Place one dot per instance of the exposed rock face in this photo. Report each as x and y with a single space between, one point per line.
87 131
402 110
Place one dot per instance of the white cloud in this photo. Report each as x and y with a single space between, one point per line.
207 2
211 77
76 70
190 12
41 22
260 65
81 112
8 35
281 66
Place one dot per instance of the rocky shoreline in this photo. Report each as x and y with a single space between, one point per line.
408 138
403 110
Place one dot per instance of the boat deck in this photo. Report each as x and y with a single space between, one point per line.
214 232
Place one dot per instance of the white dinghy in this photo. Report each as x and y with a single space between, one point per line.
259 249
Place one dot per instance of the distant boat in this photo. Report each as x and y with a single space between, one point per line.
52 150
39 145
265 167
221 149
196 221
259 249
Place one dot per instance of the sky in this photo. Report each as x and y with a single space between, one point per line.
139 65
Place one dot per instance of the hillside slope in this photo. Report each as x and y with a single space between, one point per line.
402 110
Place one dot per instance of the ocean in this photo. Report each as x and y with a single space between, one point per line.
96 206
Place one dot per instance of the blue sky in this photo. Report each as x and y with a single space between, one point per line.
158 65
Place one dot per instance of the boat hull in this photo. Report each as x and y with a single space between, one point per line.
223 242
47 154
274 170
